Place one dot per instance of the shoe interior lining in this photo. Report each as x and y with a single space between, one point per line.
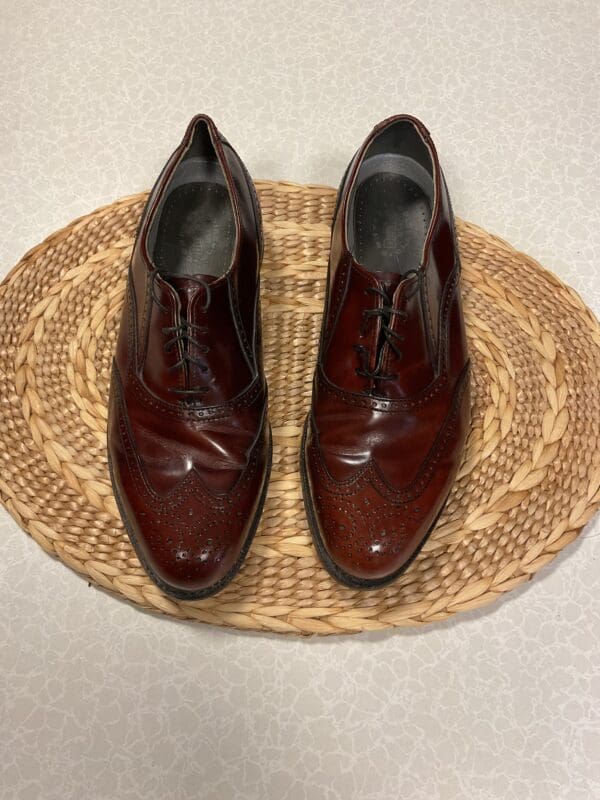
389 209
193 228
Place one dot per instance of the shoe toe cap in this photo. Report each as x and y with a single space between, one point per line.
192 551
191 542
191 565
371 541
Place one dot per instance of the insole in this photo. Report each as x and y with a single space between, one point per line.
196 230
391 213
392 216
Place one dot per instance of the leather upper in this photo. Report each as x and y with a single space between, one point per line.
381 455
189 466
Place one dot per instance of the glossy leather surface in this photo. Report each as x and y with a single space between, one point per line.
380 456
189 442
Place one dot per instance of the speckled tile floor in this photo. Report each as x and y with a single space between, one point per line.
98 700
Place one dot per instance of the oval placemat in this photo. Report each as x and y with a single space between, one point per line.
529 481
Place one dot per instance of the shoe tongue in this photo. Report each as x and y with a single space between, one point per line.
389 281
187 288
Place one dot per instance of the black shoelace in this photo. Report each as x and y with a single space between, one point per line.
385 312
182 334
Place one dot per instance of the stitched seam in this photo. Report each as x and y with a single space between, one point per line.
447 297
216 412
420 482
239 326
340 293
192 415
191 482
131 321
143 344
382 405
433 343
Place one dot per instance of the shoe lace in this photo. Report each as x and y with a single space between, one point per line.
182 334
385 312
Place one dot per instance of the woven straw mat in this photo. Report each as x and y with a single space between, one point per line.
529 481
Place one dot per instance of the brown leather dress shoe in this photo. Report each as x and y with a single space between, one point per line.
188 436
390 407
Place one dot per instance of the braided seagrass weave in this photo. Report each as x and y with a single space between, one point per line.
530 478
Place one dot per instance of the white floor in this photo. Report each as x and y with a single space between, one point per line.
98 700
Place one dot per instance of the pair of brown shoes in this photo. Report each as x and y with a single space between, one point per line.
188 437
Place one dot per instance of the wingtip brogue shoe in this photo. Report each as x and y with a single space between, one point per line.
390 408
188 435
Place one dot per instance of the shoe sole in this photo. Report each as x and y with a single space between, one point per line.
199 594
345 578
